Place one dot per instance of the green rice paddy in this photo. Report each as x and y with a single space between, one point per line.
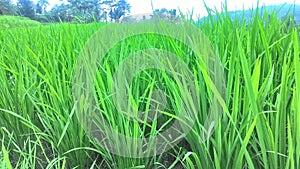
260 123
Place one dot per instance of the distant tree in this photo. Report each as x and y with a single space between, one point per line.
119 9
60 13
39 9
163 13
172 12
85 10
41 6
88 10
103 16
105 6
26 8
7 8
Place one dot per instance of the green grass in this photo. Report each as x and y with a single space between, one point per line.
259 127
16 22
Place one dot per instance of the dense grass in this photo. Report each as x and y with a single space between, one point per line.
16 22
260 123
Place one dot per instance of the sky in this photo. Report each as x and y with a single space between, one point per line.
197 6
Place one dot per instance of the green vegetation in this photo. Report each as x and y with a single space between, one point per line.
82 11
260 124
16 22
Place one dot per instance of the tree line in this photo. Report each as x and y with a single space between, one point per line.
73 11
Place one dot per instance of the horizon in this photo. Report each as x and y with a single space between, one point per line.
188 7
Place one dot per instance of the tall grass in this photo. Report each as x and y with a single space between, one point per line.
259 127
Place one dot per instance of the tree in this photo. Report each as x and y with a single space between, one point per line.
7 8
39 9
88 10
60 13
85 10
26 8
119 9
169 15
41 6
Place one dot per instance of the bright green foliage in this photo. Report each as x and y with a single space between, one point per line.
260 123
16 22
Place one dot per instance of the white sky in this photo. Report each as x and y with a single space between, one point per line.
197 6
186 6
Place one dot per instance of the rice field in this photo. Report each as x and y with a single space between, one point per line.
259 124
15 22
